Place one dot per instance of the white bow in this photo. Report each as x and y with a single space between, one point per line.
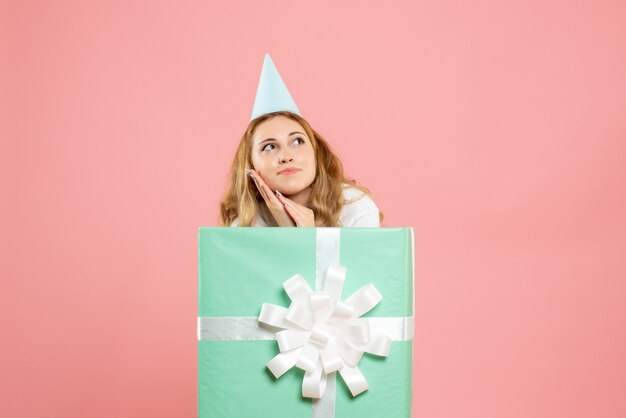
321 334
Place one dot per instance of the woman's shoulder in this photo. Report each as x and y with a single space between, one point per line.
359 208
357 197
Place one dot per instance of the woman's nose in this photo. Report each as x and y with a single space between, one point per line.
284 158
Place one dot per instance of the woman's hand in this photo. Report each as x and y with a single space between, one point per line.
302 215
276 207
285 211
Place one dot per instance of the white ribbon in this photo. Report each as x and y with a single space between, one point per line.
321 334
228 328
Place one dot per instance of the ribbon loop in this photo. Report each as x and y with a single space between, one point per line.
319 337
291 338
301 316
282 362
341 312
308 358
354 380
364 299
314 383
357 330
331 360
350 354
297 289
273 315
335 278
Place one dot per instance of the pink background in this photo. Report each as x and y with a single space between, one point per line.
496 129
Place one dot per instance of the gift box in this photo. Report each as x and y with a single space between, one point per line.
285 315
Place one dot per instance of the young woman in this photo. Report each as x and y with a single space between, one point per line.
285 174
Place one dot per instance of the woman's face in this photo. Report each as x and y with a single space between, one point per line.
280 143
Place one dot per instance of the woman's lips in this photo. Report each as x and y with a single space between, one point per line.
289 171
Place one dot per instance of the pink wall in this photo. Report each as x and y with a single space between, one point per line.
496 129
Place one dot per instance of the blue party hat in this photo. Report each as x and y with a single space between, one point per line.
272 94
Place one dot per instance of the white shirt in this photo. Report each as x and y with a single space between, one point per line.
358 211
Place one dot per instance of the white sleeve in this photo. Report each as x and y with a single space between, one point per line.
361 213
235 222
365 219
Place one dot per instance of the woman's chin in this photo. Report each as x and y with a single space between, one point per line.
289 190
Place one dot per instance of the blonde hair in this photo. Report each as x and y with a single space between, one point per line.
242 199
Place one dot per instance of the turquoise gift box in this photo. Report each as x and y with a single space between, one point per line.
241 269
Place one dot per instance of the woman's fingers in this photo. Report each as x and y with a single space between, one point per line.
260 188
302 215
293 212
265 191
290 205
273 202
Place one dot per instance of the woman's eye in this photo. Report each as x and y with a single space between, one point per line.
302 141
